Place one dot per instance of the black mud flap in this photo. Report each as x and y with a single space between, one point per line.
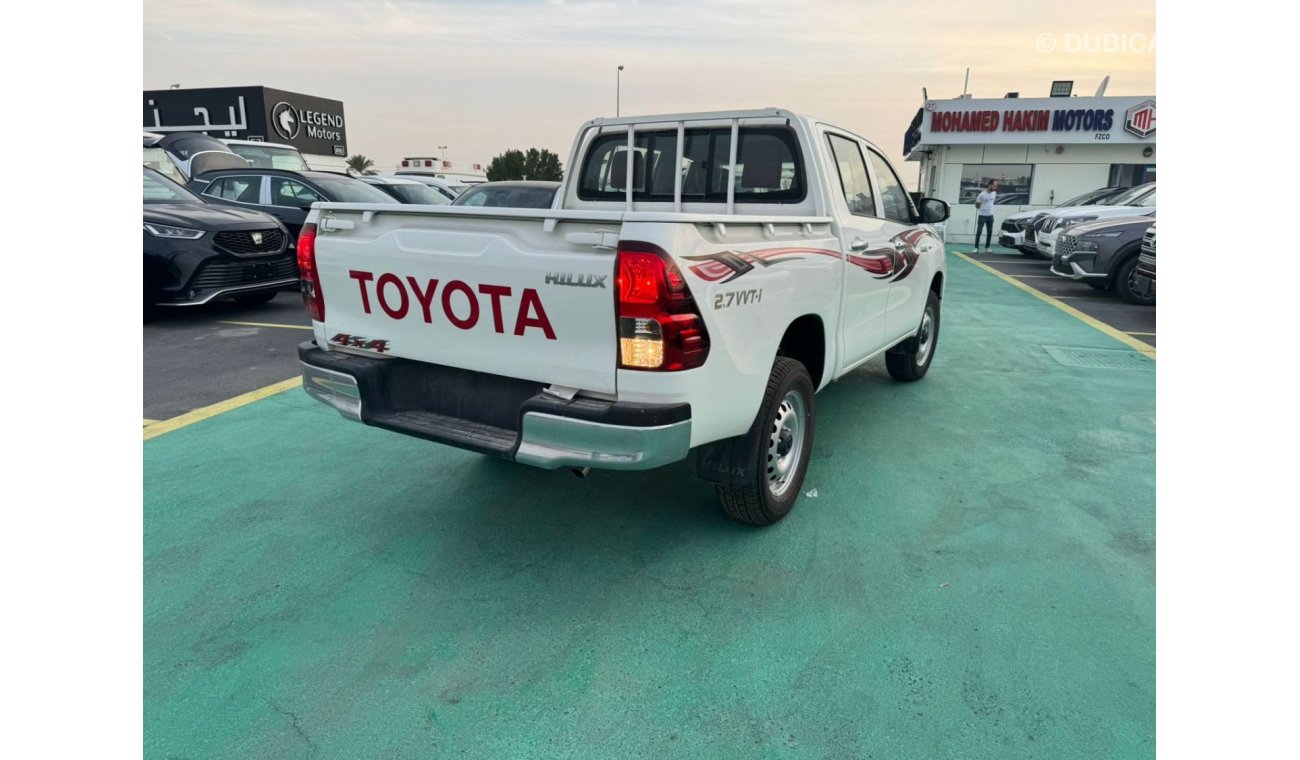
731 461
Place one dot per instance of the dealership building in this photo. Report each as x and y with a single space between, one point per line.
313 125
1042 151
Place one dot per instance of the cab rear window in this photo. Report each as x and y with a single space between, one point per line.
769 168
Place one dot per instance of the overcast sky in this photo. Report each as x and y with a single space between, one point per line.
483 76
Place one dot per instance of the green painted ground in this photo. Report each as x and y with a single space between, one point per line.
975 579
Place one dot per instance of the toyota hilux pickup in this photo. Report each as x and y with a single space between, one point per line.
696 280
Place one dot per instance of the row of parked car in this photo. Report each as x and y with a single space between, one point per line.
1105 238
222 218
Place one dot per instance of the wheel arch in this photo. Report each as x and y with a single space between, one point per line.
1121 255
805 341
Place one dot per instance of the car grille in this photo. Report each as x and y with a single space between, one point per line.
1065 244
1030 234
228 274
240 242
1050 223
1149 244
1147 265
1009 226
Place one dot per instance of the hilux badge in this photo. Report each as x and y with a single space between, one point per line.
576 280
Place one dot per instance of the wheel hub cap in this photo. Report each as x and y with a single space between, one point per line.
925 338
785 443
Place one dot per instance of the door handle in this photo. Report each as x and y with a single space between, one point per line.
858 244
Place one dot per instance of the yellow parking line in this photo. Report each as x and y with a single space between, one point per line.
1124 338
147 423
266 324
198 415
1130 332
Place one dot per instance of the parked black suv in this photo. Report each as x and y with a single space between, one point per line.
196 252
1104 254
284 194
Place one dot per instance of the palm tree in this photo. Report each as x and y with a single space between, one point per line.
360 164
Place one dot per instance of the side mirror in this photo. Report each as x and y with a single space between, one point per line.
933 210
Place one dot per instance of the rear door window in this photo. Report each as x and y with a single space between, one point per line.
287 192
238 189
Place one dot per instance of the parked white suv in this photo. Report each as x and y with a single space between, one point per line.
1136 202
698 279
1016 231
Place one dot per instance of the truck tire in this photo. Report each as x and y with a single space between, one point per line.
910 360
1124 286
782 433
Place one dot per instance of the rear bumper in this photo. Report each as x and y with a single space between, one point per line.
493 415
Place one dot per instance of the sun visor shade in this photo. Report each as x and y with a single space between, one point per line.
213 160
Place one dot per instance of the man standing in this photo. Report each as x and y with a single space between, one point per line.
984 216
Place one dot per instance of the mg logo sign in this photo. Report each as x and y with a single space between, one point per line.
1140 120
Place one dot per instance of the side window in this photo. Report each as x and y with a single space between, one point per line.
893 196
238 189
287 192
853 176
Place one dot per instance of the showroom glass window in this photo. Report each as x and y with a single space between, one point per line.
853 175
1012 179
1131 175
893 196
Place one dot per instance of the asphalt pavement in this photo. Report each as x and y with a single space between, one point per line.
1137 321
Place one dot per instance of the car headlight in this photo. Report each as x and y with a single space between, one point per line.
1086 246
175 233
1070 221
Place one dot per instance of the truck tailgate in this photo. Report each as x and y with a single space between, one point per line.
495 294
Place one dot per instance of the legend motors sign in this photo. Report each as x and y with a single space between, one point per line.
311 124
1039 120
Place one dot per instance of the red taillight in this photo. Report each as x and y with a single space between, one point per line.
405 162
308 277
659 325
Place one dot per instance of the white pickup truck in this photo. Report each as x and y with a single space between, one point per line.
753 258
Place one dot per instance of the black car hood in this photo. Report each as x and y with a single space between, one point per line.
207 216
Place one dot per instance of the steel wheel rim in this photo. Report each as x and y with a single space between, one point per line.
925 338
785 443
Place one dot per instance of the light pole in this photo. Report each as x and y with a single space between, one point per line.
443 148
618 90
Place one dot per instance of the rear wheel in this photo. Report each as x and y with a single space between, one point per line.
256 299
782 435
910 360
1126 287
